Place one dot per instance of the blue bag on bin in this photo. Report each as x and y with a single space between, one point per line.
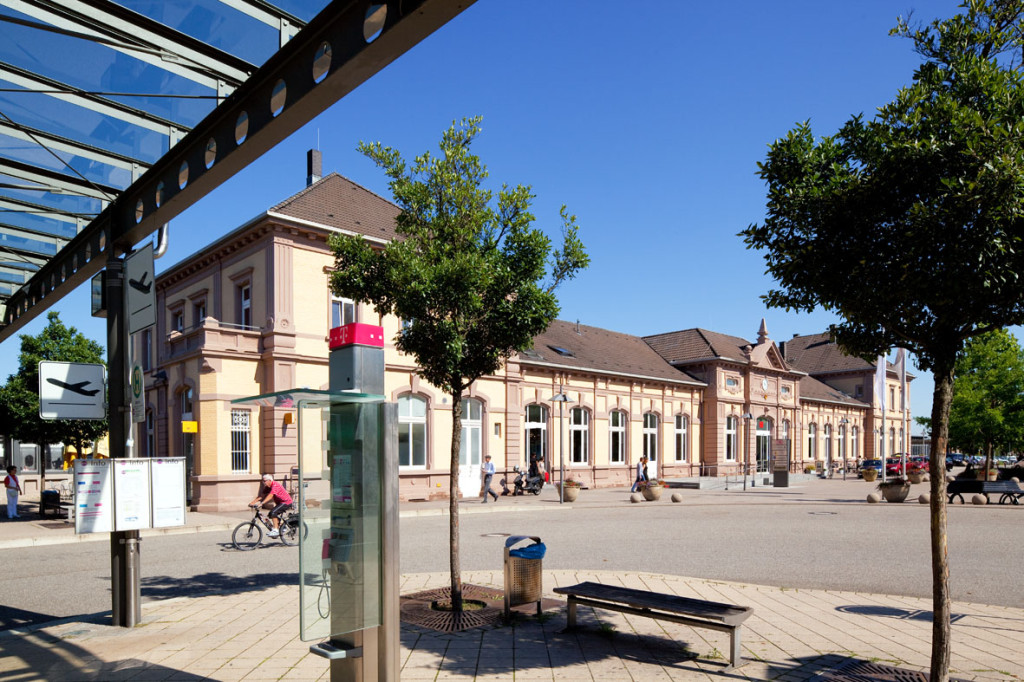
534 551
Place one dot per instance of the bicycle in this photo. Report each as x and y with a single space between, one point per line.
248 535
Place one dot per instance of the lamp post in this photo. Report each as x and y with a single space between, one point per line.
746 447
842 434
561 398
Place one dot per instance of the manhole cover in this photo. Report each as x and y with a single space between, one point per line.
496 535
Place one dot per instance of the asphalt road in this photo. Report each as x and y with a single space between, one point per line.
826 544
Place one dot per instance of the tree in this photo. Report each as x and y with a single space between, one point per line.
987 410
471 278
19 397
909 225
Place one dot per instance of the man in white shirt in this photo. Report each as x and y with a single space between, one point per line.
488 471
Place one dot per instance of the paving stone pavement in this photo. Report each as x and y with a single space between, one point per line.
793 635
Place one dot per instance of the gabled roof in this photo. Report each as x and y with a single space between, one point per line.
336 202
600 350
689 345
819 354
818 391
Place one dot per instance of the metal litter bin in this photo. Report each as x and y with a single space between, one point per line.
49 499
523 572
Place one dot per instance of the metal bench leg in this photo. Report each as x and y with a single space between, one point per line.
572 613
734 647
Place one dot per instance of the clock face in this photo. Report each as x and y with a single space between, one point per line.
764 384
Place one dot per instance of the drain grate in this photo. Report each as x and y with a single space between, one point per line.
852 670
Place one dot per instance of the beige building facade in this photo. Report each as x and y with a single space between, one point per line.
250 313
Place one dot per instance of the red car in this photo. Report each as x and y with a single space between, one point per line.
918 462
894 466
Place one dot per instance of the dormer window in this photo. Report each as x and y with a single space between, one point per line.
563 351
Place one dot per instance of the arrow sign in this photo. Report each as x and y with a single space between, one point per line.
139 292
71 390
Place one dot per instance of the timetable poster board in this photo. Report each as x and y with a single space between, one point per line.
131 494
167 478
94 494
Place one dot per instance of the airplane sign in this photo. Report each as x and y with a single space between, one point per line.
140 294
72 390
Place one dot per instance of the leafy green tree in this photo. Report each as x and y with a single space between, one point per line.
471 278
909 225
19 397
987 410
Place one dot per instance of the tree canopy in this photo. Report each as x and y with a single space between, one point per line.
19 397
470 277
909 225
987 410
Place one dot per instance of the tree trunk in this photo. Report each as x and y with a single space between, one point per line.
453 504
941 399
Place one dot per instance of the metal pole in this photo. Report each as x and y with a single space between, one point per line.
561 452
746 452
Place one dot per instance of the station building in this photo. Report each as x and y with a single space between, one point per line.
249 314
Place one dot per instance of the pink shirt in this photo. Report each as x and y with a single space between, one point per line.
281 495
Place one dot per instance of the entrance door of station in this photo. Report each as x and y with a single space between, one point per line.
762 445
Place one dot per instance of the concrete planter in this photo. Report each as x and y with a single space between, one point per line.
870 475
915 476
895 493
570 492
652 492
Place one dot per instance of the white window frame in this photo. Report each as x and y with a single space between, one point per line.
472 425
408 420
812 442
579 436
241 441
540 426
731 424
827 432
245 305
682 424
855 440
346 311
617 435
650 436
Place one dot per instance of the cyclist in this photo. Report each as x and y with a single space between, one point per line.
271 489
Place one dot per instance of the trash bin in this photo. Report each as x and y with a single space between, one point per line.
49 499
523 571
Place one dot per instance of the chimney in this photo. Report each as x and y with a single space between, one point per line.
314 166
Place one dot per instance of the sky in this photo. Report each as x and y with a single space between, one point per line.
647 120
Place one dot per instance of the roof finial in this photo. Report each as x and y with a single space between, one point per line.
762 333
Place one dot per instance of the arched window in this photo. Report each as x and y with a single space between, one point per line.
731 423
681 432
812 442
617 437
472 432
784 429
828 442
412 432
842 442
651 436
537 432
855 443
579 436
892 442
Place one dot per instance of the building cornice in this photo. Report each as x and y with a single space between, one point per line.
564 368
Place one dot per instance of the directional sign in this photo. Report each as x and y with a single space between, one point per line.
140 291
71 390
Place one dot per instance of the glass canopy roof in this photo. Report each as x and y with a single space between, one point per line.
116 116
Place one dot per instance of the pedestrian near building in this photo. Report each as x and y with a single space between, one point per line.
13 486
488 471
641 474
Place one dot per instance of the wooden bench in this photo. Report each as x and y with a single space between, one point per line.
1008 491
693 612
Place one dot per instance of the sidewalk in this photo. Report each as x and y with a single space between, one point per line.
792 635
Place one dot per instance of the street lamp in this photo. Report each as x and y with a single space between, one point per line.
842 434
561 398
746 447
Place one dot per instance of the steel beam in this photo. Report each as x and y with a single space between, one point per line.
134 215
270 15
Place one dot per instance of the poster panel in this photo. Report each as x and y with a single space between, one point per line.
131 495
168 485
94 493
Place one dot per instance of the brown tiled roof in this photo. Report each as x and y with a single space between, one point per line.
814 390
336 201
697 344
818 354
600 350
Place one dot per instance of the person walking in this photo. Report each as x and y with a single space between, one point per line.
641 474
488 471
13 486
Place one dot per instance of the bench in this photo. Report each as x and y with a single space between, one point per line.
1008 491
693 612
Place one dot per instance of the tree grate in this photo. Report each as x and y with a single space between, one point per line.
417 608
853 670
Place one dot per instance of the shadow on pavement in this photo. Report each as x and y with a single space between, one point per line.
165 587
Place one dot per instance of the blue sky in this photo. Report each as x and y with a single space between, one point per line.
646 119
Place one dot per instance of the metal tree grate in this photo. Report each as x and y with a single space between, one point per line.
417 608
853 670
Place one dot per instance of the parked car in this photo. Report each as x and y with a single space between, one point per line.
894 466
875 464
957 459
918 462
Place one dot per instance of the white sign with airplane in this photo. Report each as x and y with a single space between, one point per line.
72 390
140 294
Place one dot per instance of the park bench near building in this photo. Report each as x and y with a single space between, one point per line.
1009 492
685 610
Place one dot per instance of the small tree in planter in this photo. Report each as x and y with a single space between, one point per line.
571 489
895 489
651 490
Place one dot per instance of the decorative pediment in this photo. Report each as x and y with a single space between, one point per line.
767 356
